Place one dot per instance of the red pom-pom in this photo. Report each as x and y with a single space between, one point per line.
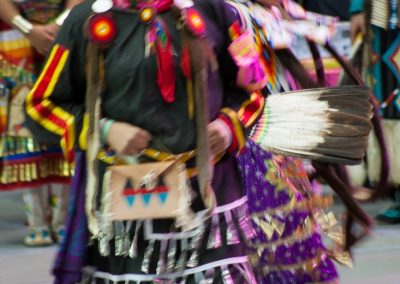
102 29
195 22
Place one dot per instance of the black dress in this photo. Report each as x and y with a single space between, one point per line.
55 107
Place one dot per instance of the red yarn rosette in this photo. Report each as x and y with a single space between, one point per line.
102 29
195 22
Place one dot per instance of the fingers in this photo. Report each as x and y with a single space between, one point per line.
139 140
42 37
213 136
52 30
43 49
216 148
144 135
357 26
139 143
217 138
49 39
126 139
132 150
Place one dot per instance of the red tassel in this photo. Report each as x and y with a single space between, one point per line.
185 63
166 71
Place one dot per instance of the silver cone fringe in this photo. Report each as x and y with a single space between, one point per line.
133 248
181 263
214 239
147 257
171 255
226 275
161 265
232 235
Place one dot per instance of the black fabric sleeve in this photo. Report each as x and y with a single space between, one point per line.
55 105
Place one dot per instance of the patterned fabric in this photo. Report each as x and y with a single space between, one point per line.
382 74
40 204
35 205
151 250
40 108
288 237
392 59
23 162
288 241
70 259
40 11
383 77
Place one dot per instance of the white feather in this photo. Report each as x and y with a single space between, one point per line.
307 124
289 116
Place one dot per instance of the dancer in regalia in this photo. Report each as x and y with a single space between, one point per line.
27 29
288 232
153 60
378 22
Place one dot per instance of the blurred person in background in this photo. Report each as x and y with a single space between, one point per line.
378 22
27 30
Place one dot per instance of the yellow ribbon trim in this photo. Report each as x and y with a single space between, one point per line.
189 89
302 232
158 156
308 264
253 97
83 135
66 145
237 126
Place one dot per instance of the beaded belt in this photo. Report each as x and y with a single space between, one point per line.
157 155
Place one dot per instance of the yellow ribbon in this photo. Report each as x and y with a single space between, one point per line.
270 227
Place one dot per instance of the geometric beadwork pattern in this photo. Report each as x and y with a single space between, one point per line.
397 100
130 194
392 58
374 58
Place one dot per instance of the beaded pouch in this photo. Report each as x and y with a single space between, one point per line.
148 191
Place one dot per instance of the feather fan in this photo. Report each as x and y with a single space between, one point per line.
326 124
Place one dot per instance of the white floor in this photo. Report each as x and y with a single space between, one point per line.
376 261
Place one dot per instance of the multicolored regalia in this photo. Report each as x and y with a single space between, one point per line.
147 53
288 243
24 163
165 66
381 71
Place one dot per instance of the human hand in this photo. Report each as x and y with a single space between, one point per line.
357 25
219 136
41 37
126 139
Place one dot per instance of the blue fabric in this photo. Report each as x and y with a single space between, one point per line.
71 255
356 6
